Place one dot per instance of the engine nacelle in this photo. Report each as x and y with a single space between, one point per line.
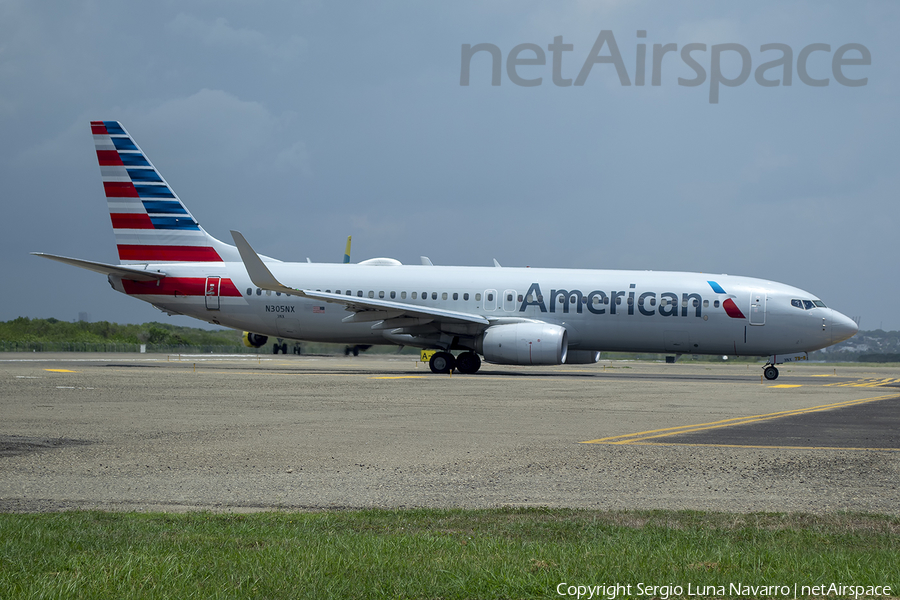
524 344
582 357
254 340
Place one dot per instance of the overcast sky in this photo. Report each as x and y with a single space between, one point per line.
299 123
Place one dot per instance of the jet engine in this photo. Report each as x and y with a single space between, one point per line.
254 340
582 357
524 344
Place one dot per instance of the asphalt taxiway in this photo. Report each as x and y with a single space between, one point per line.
246 432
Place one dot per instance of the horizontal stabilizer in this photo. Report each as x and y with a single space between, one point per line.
98 267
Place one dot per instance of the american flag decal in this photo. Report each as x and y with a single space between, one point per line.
318 309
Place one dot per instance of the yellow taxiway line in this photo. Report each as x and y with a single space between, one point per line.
631 438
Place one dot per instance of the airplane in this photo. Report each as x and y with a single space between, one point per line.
509 315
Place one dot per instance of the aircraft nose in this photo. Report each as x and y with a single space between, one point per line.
842 327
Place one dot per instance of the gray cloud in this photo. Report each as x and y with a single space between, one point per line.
217 33
302 123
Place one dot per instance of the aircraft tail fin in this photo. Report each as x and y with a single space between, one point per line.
347 251
150 222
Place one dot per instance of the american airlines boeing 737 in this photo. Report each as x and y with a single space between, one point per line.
518 316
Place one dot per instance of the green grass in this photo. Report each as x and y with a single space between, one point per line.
506 553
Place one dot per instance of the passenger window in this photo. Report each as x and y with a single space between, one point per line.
403 295
444 296
796 303
706 304
455 296
381 294
664 302
716 304
359 293
414 295
478 297
509 297
424 295
393 295
277 293
249 291
258 292
371 294
268 292
520 298
490 297
631 301
434 295
466 296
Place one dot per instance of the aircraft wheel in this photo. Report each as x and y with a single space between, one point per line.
276 348
355 350
442 362
468 363
771 373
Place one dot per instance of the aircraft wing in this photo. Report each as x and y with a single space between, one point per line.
364 309
98 267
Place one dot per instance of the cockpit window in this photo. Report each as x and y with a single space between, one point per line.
807 304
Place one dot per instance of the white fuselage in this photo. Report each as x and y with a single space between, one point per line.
604 310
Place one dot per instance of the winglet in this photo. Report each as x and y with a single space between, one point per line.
347 251
259 273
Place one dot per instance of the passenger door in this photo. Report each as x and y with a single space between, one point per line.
211 292
757 307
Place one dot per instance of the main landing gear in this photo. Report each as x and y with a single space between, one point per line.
283 348
770 372
444 362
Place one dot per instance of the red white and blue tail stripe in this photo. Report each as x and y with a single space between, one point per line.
150 222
